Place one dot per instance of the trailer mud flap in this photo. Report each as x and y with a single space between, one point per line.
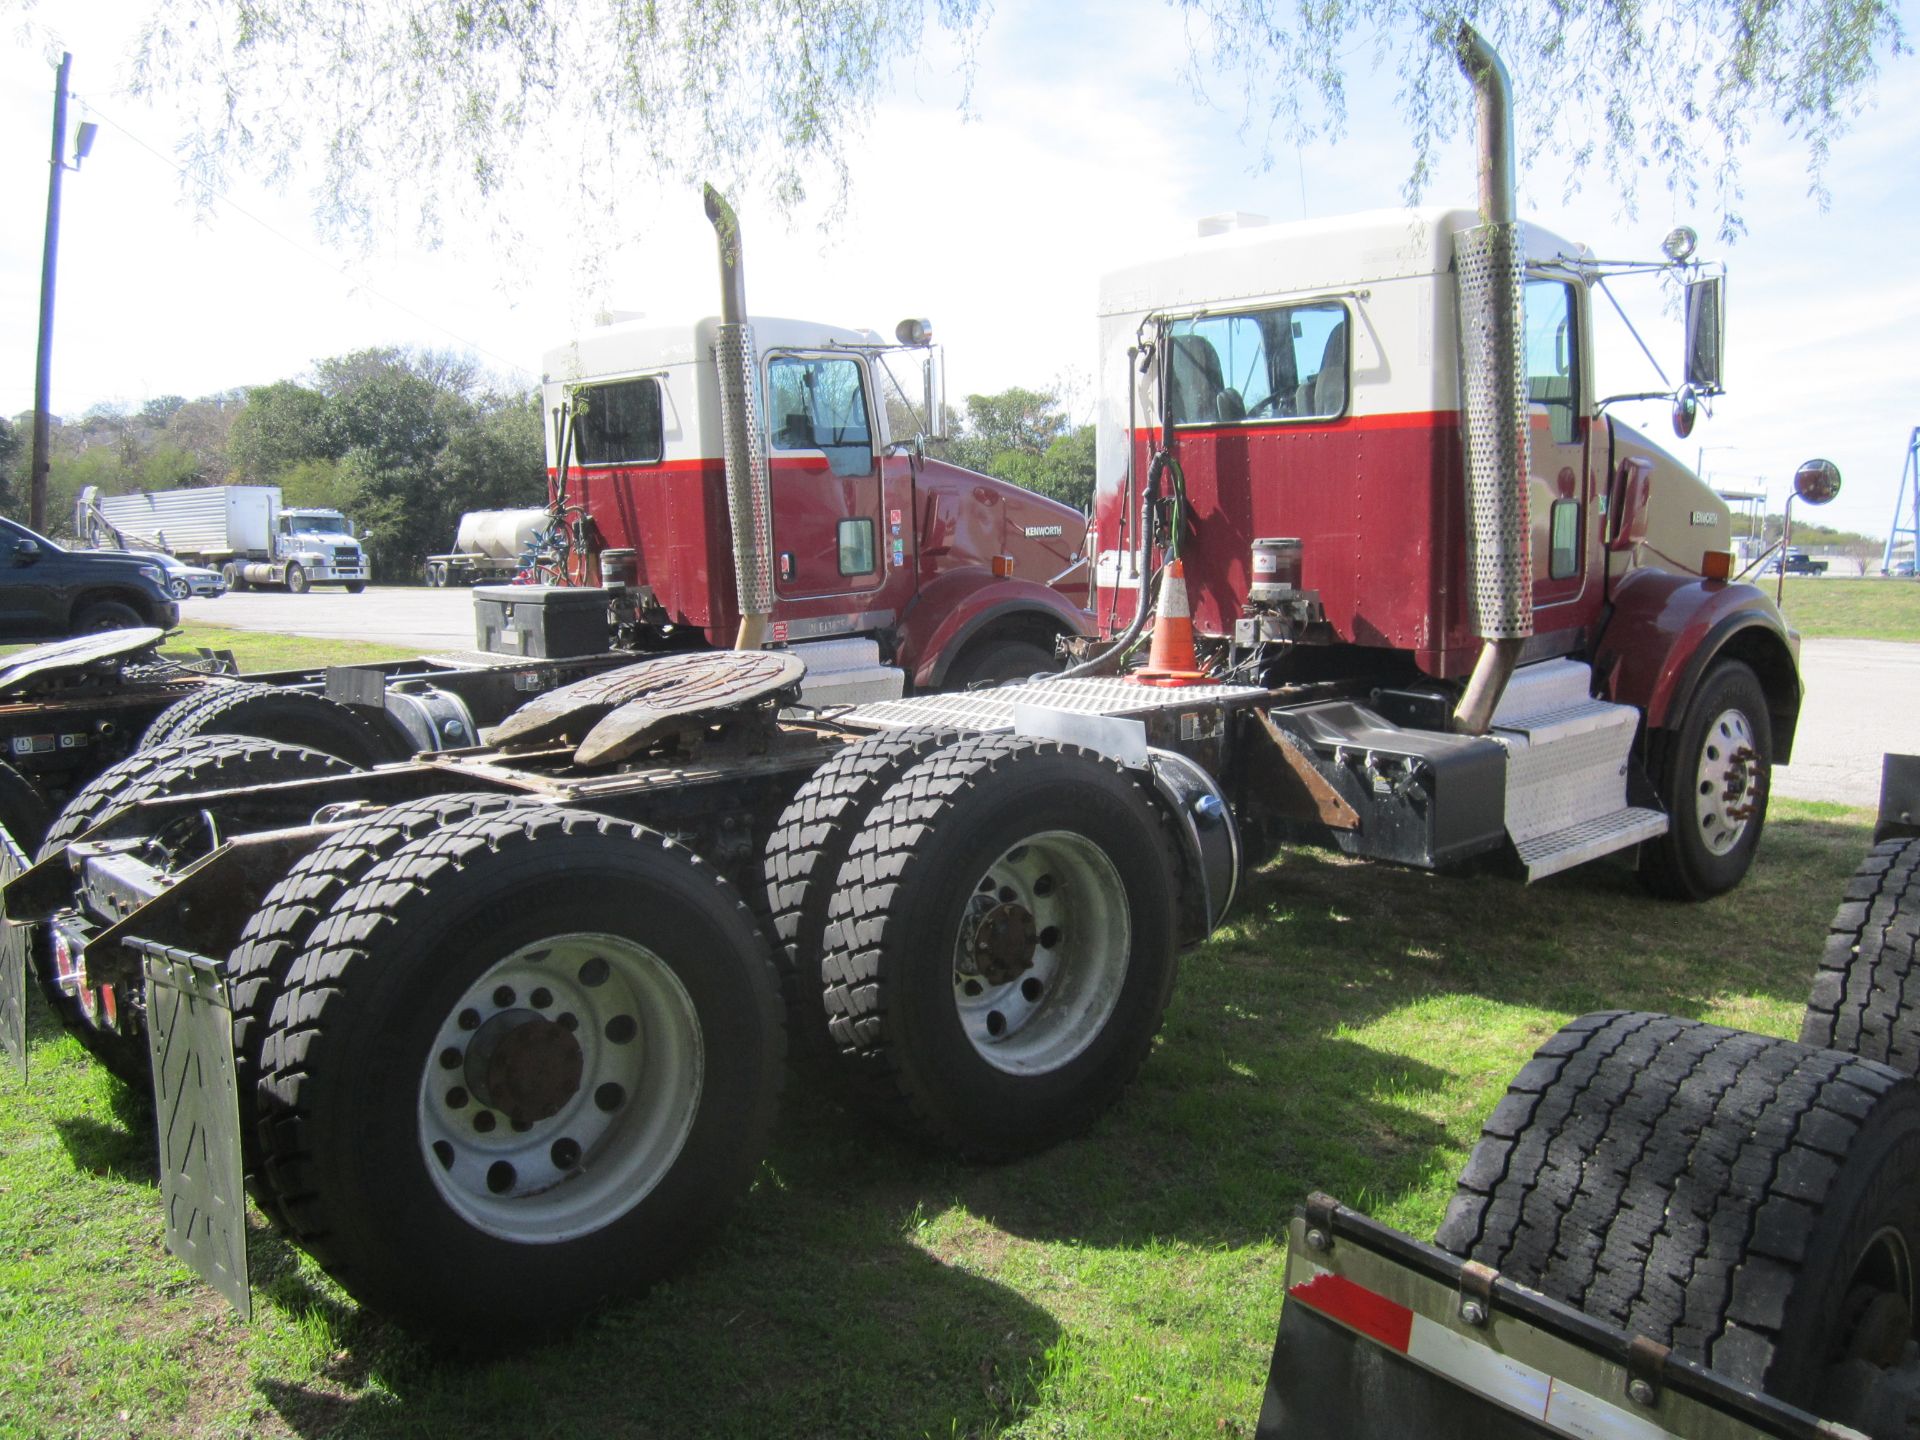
197 1111
13 966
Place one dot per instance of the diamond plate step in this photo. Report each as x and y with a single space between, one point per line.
1566 766
1542 688
1558 850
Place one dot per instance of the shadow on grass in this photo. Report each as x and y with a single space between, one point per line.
1307 1046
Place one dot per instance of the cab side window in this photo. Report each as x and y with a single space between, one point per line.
1553 350
618 424
1284 363
820 404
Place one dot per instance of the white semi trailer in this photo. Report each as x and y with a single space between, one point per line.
245 532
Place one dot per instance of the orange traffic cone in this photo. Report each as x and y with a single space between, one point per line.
1171 661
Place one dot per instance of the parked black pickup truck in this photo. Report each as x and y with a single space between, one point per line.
47 593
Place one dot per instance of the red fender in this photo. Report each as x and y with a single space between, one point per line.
962 604
1666 629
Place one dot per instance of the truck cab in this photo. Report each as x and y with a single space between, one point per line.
947 574
317 547
1300 396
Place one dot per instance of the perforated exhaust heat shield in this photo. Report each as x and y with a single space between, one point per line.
1490 261
744 445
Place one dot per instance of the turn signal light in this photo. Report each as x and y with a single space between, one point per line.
1717 565
1002 566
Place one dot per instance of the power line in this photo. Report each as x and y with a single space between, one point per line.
315 256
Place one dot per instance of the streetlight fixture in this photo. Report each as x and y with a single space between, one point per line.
43 369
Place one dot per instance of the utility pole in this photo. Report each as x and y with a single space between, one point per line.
43 370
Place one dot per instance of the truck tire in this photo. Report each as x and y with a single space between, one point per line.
436 576
214 762
1000 944
280 929
1864 1000
23 809
106 615
268 712
355 587
297 579
809 843
1714 774
481 1185
1748 1201
235 576
997 662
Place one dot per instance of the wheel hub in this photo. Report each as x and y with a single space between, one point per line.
524 1065
1727 782
1003 942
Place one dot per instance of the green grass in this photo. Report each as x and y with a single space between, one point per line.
1348 1031
1852 609
255 650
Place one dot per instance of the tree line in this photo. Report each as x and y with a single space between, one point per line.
404 441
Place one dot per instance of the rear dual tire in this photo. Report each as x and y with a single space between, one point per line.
1000 944
577 1160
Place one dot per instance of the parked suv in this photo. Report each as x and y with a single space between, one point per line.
48 593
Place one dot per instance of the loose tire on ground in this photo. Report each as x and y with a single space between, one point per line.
268 712
280 930
997 662
1746 1200
1000 944
1866 994
803 858
396 1034
211 762
1714 774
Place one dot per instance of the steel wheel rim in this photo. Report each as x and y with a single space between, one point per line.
1050 991
1727 781
616 1131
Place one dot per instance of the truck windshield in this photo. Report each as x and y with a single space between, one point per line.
1286 363
319 524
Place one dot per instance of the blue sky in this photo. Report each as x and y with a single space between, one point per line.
1084 148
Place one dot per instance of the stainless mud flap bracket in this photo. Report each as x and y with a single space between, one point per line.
196 1104
13 966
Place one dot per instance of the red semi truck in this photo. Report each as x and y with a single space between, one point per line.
881 567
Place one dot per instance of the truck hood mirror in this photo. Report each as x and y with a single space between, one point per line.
1686 409
1817 482
1706 333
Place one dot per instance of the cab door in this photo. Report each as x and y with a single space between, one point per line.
825 476
1561 503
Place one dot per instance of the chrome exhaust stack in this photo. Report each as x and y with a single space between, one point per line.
1490 262
743 441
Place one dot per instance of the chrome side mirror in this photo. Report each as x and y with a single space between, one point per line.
1706 334
1817 482
1686 410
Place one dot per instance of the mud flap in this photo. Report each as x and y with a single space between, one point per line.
197 1111
13 967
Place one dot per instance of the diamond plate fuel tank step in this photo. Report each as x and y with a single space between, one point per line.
847 672
1567 757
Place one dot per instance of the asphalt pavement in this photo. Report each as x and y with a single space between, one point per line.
1863 696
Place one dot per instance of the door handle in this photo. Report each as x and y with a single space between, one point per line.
786 565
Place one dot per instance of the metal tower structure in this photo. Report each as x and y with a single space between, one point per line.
1906 508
